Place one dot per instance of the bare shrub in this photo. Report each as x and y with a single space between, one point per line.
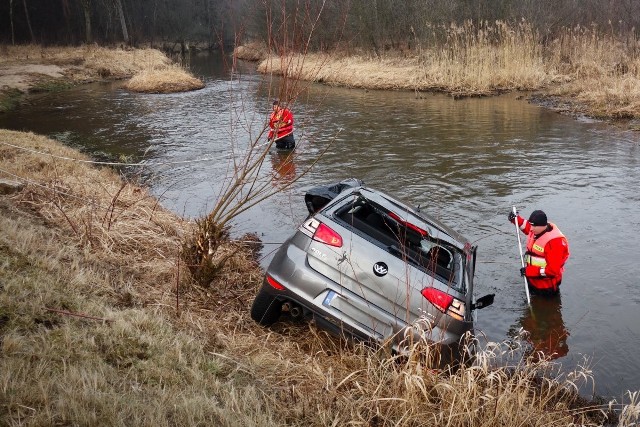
247 184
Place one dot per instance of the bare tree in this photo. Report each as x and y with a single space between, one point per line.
26 14
13 33
248 183
86 9
123 22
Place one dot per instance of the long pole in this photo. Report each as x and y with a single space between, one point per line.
526 287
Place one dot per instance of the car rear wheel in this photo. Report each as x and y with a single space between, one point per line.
266 309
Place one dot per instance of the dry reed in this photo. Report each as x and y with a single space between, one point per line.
597 72
472 61
152 71
164 80
251 51
87 62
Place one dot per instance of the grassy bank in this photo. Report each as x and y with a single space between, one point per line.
32 68
584 70
101 325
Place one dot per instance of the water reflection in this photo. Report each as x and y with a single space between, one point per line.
546 331
284 167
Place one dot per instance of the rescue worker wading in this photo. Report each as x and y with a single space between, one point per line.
281 124
547 252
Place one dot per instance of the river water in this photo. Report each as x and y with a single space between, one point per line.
466 162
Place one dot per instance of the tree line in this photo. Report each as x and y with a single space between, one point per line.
129 22
319 24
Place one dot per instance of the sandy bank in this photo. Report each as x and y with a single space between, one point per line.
31 68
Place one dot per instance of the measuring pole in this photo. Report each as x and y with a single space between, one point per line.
526 287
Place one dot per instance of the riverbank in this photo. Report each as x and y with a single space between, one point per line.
592 81
32 68
100 324
608 97
581 72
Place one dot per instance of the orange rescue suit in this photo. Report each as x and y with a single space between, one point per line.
545 257
281 123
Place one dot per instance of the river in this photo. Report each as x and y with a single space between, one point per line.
466 162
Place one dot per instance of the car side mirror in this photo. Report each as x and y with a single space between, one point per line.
483 302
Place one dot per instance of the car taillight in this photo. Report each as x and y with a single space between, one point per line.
326 235
274 284
438 298
445 302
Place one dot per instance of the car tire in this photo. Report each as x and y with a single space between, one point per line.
266 309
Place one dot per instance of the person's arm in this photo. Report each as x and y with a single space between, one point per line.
523 224
556 253
288 118
272 125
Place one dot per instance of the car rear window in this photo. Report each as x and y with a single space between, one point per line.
402 239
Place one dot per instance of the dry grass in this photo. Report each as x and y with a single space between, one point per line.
352 71
251 51
472 61
32 67
86 63
79 239
598 72
164 80
485 59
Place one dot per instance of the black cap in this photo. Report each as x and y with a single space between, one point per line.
538 218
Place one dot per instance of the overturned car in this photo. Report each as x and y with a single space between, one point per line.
368 266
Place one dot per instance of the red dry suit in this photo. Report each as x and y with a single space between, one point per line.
545 257
281 123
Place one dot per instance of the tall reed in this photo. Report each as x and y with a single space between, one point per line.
595 70
479 59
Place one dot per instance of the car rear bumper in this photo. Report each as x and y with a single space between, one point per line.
339 310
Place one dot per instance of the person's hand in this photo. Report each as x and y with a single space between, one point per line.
523 270
512 216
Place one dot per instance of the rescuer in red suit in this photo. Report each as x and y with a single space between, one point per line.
281 124
547 252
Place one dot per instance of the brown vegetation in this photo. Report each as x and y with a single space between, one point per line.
251 51
84 63
597 74
166 80
32 68
101 325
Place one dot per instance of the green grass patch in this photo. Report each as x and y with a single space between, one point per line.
9 99
51 85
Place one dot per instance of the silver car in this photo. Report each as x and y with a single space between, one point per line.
366 265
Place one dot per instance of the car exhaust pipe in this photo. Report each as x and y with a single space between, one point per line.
296 312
